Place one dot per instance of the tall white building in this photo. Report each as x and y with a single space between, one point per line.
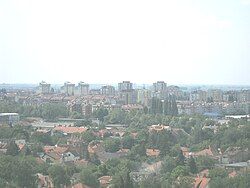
68 88
160 89
125 86
43 88
108 90
82 89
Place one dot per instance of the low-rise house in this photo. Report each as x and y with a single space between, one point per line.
146 171
105 181
206 152
152 152
232 174
44 181
80 185
159 127
70 156
201 182
185 151
68 130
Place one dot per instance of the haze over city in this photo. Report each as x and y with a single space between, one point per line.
180 42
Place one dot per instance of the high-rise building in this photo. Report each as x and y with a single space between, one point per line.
126 92
125 86
160 89
108 90
68 88
44 87
82 89
215 94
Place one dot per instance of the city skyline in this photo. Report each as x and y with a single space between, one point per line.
180 42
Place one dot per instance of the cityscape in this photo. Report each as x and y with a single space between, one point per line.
124 94
78 134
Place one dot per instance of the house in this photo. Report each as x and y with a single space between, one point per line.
232 174
185 151
105 181
70 156
53 154
152 152
44 181
201 182
146 171
205 152
159 127
80 185
67 130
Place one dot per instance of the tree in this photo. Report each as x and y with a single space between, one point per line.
168 164
112 145
192 165
88 178
101 113
128 181
24 173
44 138
88 136
218 172
180 159
127 142
12 149
58 175
204 162
179 171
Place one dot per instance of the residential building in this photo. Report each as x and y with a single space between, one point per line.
108 90
160 90
125 86
43 88
68 88
82 89
127 94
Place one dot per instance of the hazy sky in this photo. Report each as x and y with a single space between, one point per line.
107 41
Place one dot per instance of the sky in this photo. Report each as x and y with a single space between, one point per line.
97 41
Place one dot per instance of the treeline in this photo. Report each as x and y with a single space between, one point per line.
48 111
167 106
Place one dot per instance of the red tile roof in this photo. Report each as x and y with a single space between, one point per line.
70 130
201 182
152 152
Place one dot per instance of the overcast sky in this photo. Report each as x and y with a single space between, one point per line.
107 41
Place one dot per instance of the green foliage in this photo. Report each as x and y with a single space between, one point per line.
127 142
48 111
101 113
180 159
112 145
58 175
168 164
218 172
44 138
204 162
87 177
138 152
24 173
167 106
192 165
18 170
122 180
241 181
12 149
179 171
88 136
